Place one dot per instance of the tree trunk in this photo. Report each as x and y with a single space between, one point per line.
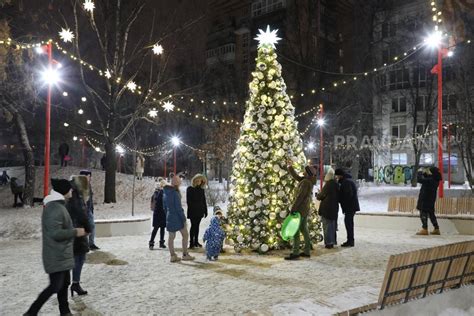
110 170
29 189
219 166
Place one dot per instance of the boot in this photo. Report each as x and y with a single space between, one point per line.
76 287
197 244
162 244
175 258
151 245
187 257
435 232
422 232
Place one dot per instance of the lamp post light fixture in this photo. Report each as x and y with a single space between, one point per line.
321 123
175 141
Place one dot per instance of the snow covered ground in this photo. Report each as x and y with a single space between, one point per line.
125 278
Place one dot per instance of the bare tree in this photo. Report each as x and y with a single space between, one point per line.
17 101
112 36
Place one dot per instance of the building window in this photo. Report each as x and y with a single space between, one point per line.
399 104
426 159
448 73
421 102
261 7
399 159
450 102
399 79
399 131
419 76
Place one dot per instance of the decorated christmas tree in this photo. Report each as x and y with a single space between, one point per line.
262 190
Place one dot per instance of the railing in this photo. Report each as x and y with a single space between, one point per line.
443 206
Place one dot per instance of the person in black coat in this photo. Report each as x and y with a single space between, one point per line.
159 215
197 207
63 152
77 209
429 179
349 203
329 208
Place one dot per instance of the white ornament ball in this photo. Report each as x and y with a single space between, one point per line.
283 214
264 248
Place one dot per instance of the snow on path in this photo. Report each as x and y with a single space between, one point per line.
125 278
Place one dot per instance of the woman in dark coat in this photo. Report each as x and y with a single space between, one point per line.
329 208
78 211
197 207
159 215
429 179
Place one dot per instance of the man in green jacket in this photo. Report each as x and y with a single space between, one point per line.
302 205
58 237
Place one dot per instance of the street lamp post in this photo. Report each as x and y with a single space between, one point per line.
175 141
321 148
435 40
449 155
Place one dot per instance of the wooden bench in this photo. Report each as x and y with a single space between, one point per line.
447 205
418 273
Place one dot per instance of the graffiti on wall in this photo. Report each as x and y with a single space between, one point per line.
393 174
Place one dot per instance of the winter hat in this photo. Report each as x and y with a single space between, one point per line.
61 186
310 170
85 173
339 172
329 175
197 177
175 181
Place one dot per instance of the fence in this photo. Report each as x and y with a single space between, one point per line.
418 273
443 206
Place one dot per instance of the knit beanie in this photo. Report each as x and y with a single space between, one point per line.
329 175
339 172
85 173
61 186
310 170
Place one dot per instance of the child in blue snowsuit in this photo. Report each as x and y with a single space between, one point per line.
214 237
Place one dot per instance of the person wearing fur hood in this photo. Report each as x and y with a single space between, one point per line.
197 207
77 209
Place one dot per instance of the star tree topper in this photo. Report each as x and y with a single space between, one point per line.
267 37
66 35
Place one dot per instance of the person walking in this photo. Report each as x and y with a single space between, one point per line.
175 218
63 151
302 205
4 178
329 208
90 210
159 215
349 203
429 179
140 167
58 234
197 207
77 209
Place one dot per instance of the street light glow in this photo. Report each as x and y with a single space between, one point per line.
311 145
450 53
321 122
175 141
434 39
119 149
50 76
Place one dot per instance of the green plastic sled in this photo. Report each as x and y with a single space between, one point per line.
290 226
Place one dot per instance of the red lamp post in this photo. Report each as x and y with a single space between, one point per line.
321 147
175 141
50 77
438 70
